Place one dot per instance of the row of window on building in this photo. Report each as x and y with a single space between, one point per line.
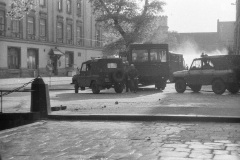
14 58
43 4
17 26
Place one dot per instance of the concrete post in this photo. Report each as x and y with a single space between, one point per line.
40 101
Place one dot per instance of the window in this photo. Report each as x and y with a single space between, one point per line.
84 67
2 23
14 55
196 65
59 32
30 27
42 29
139 55
69 59
98 36
79 8
69 6
42 3
158 55
80 34
69 34
60 5
112 65
16 28
32 58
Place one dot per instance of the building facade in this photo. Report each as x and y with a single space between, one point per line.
52 39
237 29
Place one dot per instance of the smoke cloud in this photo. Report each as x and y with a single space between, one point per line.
191 50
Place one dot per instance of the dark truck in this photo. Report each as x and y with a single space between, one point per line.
151 61
222 72
99 74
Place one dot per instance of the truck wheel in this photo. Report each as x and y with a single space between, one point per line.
218 86
180 85
76 87
195 88
118 88
95 88
233 88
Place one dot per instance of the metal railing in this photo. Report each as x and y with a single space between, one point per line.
7 92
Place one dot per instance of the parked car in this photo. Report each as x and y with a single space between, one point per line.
100 74
222 72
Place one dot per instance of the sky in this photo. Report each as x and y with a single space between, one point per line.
198 15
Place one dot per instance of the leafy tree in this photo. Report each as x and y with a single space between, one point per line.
19 8
126 21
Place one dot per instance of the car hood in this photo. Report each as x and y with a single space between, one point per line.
180 73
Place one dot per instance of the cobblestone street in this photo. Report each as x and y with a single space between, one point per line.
50 140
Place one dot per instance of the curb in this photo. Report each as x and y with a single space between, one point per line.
163 117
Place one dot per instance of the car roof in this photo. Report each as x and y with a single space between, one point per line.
103 59
217 56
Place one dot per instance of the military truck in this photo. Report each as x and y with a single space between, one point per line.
222 72
99 74
152 63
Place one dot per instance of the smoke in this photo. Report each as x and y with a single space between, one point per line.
190 50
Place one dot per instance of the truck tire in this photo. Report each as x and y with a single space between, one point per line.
118 87
95 88
195 88
180 85
218 86
76 87
118 76
233 88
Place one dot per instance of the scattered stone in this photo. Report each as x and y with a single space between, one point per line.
147 138
55 108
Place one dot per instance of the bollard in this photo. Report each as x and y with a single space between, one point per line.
40 101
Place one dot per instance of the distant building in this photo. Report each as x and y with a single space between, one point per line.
212 41
55 37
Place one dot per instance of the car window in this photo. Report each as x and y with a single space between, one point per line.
196 65
112 65
139 55
207 64
158 55
84 67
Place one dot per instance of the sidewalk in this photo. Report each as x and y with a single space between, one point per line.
103 140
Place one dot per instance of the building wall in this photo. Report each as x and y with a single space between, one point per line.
81 53
237 29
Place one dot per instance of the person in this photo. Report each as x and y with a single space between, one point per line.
133 75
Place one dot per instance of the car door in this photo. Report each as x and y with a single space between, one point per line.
88 75
195 72
207 72
82 81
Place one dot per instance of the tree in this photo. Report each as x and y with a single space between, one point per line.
128 20
19 8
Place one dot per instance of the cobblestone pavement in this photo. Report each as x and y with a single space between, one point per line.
60 140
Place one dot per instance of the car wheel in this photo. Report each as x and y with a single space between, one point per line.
233 88
95 88
118 88
76 87
195 88
218 86
180 85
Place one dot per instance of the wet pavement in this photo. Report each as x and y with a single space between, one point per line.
60 140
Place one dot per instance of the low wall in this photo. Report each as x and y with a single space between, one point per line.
10 120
